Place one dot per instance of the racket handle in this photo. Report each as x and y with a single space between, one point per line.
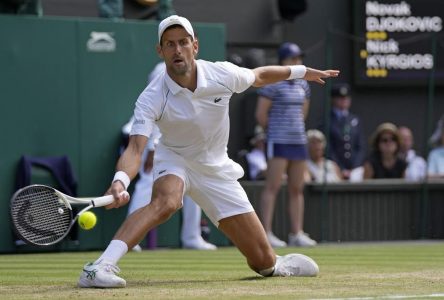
105 200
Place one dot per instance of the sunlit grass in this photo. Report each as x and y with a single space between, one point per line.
346 270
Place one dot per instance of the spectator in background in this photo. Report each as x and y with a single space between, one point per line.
346 143
21 7
384 160
236 59
320 169
416 165
257 162
255 58
281 109
111 9
436 156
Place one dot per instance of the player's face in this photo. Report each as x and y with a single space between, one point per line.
178 50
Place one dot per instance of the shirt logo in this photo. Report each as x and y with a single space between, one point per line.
161 172
217 100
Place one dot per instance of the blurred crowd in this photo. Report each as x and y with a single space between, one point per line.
338 151
282 150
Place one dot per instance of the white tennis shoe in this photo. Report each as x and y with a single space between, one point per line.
301 239
199 244
274 241
295 265
100 275
137 248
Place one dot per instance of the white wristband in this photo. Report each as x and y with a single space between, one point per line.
297 72
122 177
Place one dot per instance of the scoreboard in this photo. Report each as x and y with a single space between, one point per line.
398 42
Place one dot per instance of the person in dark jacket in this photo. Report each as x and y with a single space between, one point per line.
346 143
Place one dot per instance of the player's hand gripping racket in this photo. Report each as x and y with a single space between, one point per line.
43 216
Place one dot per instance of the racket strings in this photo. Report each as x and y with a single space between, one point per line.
40 216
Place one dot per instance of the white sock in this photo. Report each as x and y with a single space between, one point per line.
114 252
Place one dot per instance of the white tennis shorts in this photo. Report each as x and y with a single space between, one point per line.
219 198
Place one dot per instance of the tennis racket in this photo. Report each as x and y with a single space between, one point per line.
43 216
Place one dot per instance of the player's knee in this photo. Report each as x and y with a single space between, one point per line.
269 259
264 260
165 207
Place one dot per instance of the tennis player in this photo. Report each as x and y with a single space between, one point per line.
189 103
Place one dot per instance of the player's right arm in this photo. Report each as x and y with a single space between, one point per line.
128 163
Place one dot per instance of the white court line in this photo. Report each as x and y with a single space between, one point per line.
388 297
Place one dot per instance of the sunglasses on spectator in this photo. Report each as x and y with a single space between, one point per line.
387 140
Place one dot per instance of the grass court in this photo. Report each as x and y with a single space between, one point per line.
386 270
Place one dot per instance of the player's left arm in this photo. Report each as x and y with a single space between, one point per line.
271 74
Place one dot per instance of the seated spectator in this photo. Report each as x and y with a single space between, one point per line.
257 162
384 160
435 167
21 7
112 9
320 168
416 165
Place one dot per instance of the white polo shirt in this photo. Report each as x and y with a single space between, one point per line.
195 125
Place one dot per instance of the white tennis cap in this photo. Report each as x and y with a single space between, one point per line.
175 20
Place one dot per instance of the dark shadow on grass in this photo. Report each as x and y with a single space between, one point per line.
138 283
169 282
253 278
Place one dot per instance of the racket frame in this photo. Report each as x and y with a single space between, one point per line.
68 200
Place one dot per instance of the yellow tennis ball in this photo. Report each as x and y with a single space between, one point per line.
87 220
